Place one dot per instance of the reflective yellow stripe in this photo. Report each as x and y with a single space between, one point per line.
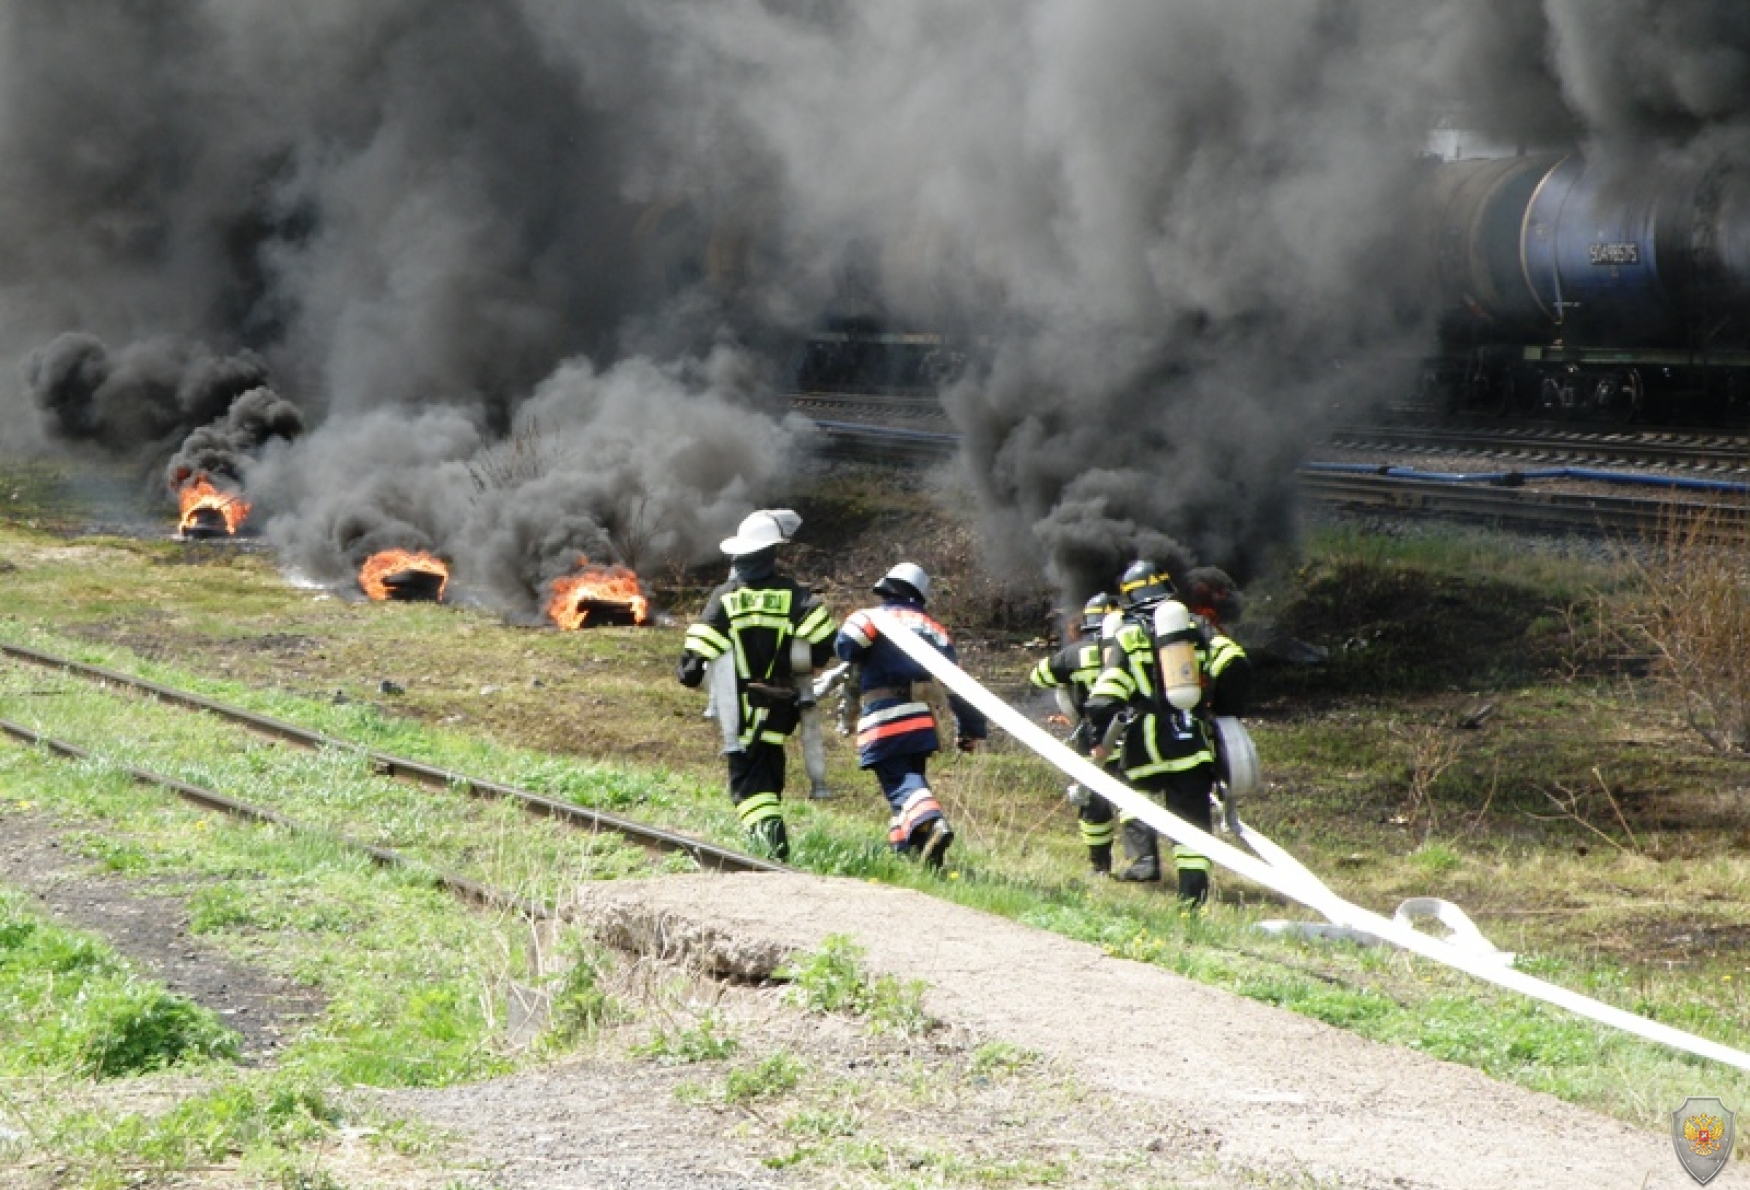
1225 654
1187 860
1114 684
751 718
1097 834
740 623
1042 675
758 808
1180 764
816 626
754 601
707 642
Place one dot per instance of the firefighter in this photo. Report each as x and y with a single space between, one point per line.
1227 672
897 730
755 621
1071 672
1166 750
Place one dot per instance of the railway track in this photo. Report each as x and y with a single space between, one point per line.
1709 471
586 823
1587 513
919 412
1723 455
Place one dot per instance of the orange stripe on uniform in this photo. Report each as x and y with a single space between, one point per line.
897 727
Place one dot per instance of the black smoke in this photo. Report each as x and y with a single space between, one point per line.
227 448
139 398
1167 233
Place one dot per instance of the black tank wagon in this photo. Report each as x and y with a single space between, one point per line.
1590 291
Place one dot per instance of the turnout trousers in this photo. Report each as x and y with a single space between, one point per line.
756 782
1186 796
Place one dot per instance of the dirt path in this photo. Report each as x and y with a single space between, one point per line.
150 928
1263 1091
1167 1082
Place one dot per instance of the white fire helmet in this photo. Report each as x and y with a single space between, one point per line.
911 575
761 530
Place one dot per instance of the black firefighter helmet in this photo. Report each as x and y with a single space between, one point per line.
1143 584
1095 611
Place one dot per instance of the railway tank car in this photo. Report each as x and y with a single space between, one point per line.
1579 290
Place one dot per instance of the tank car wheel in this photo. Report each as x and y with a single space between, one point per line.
1560 397
1621 397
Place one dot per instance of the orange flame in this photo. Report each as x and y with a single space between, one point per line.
576 595
199 494
380 566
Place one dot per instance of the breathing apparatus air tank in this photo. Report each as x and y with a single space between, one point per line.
1176 654
813 742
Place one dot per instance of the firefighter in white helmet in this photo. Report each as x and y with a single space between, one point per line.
754 621
897 731
1072 672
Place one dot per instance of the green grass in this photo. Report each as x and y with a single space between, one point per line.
1576 827
69 1004
833 980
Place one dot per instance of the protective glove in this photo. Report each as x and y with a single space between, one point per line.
1076 796
967 744
1227 810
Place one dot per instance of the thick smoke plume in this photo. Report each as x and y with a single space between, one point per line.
228 447
147 395
516 259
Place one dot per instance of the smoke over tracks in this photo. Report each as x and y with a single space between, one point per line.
519 265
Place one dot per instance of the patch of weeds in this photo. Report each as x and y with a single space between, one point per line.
821 1125
294 1176
773 1076
995 1059
833 980
1434 858
269 1120
1502 1042
677 863
116 855
703 1042
219 907
1344 1007
124 1027
72 1005
580 1005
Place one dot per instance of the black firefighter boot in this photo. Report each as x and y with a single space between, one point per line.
1193 887
1100 859
1143 852
769 835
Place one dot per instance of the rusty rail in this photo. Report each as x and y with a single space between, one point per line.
707 855
468 890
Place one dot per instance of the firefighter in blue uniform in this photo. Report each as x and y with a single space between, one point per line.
1166 752
1072 672
897 731
755 619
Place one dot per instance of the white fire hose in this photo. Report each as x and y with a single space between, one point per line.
1289 878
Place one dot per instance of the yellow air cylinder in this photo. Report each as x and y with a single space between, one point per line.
1176 653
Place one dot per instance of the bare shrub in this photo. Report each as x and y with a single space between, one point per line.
1691 613
526 455
1573 805
1431 750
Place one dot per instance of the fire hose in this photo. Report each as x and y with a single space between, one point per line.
1281 873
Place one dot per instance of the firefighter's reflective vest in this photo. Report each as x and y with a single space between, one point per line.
1227 674
1074 669
1159 741
756 624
